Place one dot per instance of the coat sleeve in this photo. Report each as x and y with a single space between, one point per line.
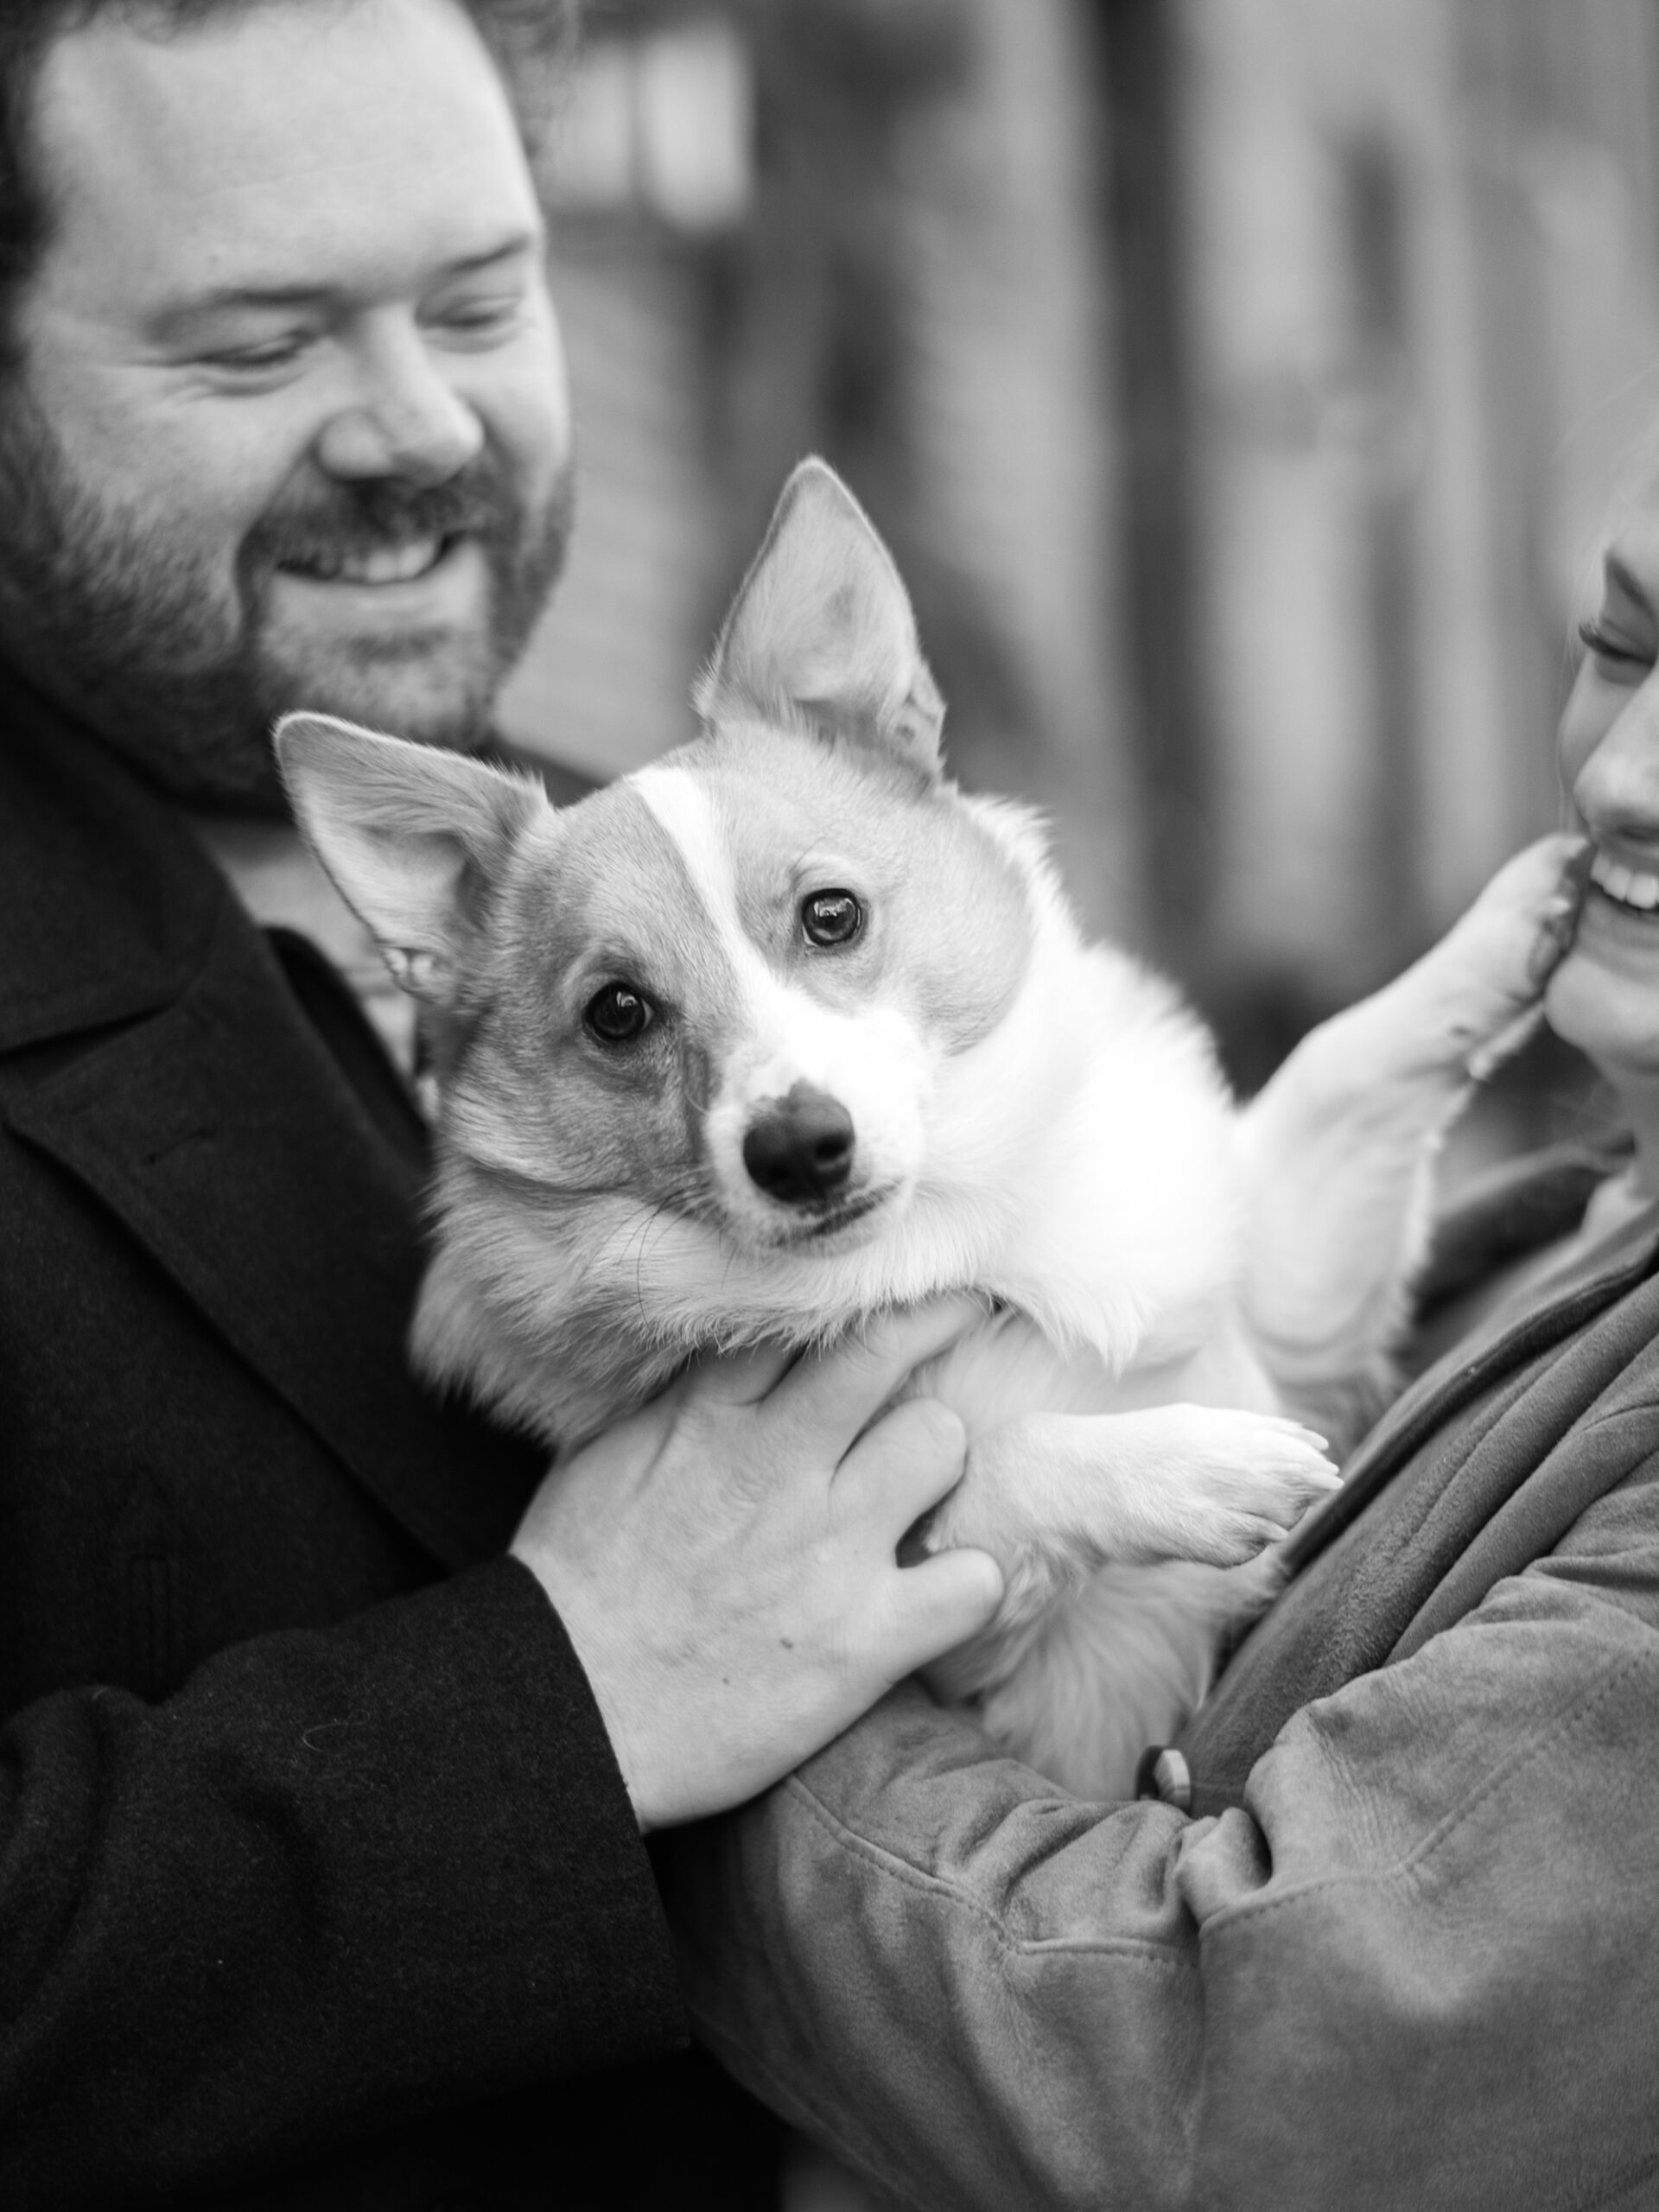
1415 1968
342 1877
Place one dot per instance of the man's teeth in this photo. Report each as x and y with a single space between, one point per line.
387 564
392 564
1630 886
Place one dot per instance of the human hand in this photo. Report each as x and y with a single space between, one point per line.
723 1560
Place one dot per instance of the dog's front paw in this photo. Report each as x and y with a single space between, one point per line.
1483 982
1228 1484
1053 1497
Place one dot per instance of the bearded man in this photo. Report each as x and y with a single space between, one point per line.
320 1861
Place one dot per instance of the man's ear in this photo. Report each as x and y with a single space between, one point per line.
822 631
414 839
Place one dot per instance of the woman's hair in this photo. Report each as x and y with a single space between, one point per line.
530 40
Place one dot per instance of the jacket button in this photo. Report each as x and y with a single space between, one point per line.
1164 1775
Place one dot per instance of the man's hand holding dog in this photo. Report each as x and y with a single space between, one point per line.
724 1561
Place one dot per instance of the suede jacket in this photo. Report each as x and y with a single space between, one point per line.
1399 1956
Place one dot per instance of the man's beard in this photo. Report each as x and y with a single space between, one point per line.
134 632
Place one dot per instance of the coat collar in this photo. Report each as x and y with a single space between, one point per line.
1550 1313
107 904
180 1084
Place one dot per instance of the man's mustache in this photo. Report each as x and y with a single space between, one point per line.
335 521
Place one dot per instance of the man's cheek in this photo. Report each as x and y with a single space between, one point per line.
525 415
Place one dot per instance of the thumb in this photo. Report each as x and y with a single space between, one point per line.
938 1604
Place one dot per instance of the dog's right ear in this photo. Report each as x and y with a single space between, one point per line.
821 634
413 839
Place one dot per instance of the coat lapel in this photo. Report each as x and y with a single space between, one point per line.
175 1076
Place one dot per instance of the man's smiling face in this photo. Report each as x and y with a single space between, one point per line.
289 424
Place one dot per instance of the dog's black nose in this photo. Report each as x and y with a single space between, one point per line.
799 1147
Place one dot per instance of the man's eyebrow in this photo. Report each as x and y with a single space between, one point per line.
178 315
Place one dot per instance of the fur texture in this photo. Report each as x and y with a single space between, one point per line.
785 1031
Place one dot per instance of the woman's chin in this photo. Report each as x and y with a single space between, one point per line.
1604 998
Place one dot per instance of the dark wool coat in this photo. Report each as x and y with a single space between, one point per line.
1399 1956
318 1883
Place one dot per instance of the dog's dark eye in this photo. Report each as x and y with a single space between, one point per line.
831 917
618 1015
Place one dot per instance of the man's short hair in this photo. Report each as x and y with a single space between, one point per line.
530 39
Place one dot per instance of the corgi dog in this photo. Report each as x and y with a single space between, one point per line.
784 1030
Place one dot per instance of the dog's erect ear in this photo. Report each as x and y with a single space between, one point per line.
822 630
413 839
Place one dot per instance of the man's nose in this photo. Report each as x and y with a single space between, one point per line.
1617 790
402 418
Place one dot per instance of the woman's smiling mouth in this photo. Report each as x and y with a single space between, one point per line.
1634 889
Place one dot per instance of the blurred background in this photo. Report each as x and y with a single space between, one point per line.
1240 384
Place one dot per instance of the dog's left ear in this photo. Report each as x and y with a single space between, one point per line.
416 840
822 631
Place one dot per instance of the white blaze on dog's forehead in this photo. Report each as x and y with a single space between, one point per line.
683 813
782 1034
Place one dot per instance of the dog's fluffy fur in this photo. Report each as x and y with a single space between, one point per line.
1171 1284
